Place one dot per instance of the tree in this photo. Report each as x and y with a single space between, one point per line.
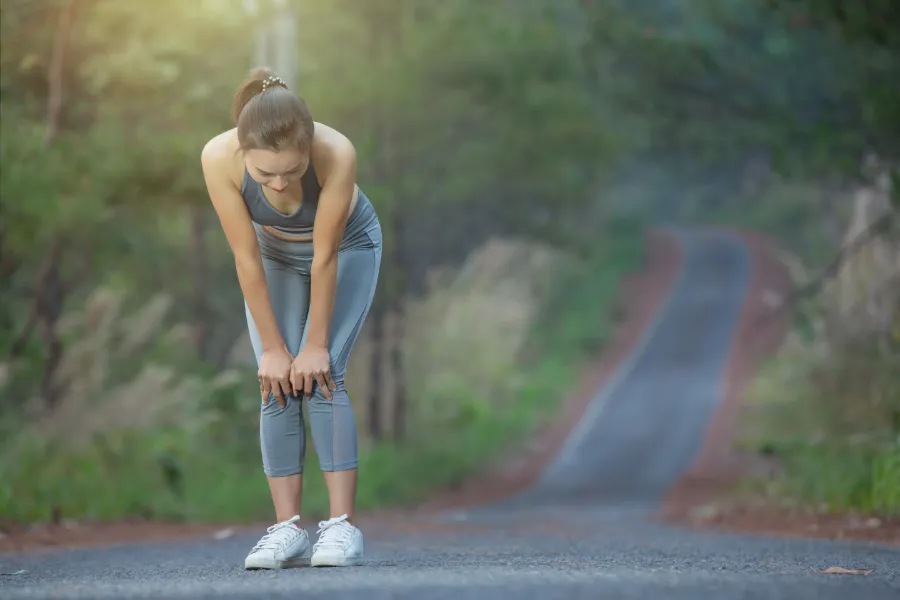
125 136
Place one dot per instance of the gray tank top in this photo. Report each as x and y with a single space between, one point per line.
300 222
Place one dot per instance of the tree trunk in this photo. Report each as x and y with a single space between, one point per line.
376 365
398 374
397 289
49 291
50 304
396 271
381 303
56 74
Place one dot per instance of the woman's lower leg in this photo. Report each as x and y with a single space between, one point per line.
334 434
286 495
341 493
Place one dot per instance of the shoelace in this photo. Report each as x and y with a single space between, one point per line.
271 539
334 533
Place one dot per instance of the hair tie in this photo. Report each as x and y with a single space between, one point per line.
271 81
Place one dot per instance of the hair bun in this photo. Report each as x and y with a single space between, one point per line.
259 80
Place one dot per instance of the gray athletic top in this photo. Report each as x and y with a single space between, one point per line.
300 222
361 229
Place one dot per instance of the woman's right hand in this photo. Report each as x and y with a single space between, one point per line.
275 375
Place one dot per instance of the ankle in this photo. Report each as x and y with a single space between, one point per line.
284 519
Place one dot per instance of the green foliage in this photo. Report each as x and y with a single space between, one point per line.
720 80
796 214
586 332
873 23
485 110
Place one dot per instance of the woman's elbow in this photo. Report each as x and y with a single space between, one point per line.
324 262
247 264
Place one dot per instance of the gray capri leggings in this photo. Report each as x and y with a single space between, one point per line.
332 423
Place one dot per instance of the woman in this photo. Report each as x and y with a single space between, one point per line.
307 249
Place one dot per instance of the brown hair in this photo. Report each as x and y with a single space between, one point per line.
269 116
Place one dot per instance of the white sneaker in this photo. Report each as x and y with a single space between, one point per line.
340 544
284 545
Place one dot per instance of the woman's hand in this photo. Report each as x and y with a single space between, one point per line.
275 375
312 365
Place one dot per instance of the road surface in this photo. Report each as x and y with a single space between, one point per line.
584 530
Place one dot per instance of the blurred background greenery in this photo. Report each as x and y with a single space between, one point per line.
516 151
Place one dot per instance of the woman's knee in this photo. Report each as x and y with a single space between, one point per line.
336 410
273 410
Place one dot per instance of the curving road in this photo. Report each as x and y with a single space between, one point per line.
582 531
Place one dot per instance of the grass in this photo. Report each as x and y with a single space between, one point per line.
201 462
830 414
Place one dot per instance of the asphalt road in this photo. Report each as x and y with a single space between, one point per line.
583 531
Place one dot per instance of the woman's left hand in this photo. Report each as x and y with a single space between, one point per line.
312 365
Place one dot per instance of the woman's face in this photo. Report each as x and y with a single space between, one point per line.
276 170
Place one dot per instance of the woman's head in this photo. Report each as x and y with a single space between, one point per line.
274 128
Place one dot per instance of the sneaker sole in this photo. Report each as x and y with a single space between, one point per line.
259 564
336 561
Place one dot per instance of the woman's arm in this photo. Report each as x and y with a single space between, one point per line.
335 160
235 219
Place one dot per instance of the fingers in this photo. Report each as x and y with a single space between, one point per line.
264 389
320 379
298 382
281 388
308 385
274 386
294 379
302 383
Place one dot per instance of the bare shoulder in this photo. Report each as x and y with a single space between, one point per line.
330 145
220 159
333 154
